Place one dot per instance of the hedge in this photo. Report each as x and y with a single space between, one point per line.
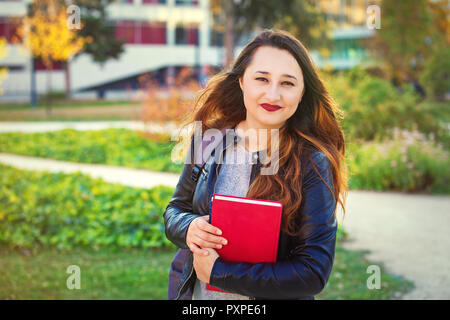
119 147
66 210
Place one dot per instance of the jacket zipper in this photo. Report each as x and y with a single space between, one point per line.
192 268
214 188
182 287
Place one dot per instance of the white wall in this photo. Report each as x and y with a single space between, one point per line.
135 59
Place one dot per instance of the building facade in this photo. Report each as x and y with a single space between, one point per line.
161 37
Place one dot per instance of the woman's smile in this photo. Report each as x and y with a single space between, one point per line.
270 107
275 78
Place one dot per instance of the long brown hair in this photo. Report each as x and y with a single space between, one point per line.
314 126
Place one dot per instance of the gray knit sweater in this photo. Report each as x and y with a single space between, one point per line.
233 180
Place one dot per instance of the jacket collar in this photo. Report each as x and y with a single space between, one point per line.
229 137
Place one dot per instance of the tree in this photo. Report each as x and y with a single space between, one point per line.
96 34
97 27
400 43
436 72
46 34
299 17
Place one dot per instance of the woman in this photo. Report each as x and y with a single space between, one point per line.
272 85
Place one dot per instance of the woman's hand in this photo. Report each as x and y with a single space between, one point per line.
202 235
203 264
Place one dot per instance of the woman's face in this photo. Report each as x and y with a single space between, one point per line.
273 77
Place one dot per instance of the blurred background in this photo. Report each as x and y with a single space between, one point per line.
92 94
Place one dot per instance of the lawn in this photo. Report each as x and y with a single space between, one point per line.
67 104
105 274
73 111
118 147
143 274
105 216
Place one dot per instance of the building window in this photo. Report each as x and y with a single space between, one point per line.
153 1
40 66
186 2
153 33
125 31
186 35
216 38
12 68
8 28
141 32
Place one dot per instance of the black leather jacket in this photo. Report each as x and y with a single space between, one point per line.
304 262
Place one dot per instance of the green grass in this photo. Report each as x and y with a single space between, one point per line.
67 210
117 147
69 110
59 119
105 274
67 104
143 274
348 280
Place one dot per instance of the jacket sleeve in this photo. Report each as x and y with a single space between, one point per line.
178 214
306 271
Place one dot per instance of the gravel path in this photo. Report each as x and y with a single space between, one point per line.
41 126
126 176
407 233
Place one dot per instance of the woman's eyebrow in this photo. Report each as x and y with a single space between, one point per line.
286 75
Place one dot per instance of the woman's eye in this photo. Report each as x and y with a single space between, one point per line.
289 83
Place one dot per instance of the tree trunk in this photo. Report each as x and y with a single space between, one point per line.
67 78
48 106
229 36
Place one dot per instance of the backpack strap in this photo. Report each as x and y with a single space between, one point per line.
210 141
196 172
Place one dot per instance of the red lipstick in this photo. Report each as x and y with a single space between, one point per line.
270 107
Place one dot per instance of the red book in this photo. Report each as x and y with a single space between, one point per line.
251 226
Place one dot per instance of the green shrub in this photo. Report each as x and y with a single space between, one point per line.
436 74
372 106
411 162
120 147
53 95
66 210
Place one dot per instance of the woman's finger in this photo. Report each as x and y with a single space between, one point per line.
212 238
205 226
197 250
202 243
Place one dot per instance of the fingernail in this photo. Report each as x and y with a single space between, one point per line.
219 246
224 241
219 232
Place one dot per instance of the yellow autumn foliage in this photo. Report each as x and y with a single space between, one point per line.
3 52
48 36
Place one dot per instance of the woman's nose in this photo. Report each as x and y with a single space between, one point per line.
273 92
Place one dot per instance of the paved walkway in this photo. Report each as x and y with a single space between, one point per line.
407 233
38 126
130 177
